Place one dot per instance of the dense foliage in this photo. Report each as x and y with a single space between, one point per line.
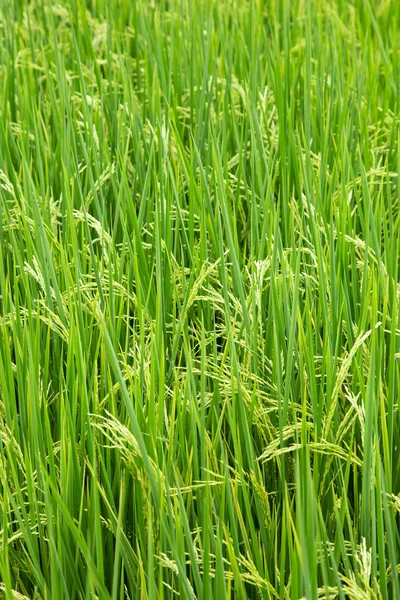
199 299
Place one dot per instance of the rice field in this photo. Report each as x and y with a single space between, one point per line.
199 299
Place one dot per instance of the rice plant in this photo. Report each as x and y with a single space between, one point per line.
199 299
